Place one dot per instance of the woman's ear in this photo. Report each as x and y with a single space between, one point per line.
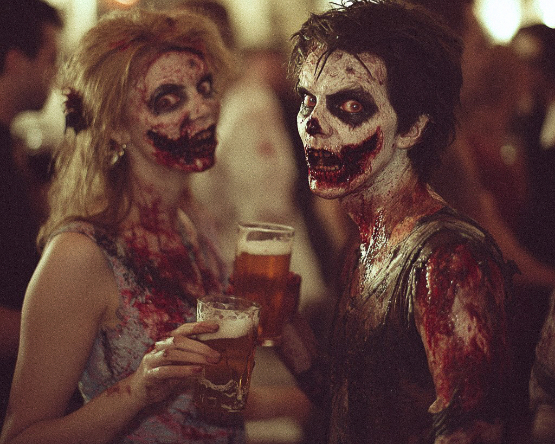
412 136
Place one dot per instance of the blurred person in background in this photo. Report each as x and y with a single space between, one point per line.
255 175
125 253
29 34
535 122
485 173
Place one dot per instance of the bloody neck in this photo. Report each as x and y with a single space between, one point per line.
386 214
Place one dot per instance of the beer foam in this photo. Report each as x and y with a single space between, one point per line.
264 247
230 328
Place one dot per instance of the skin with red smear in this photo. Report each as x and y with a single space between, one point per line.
173 272
456 313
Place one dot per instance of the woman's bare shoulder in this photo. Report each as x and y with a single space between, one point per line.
76 252
73 270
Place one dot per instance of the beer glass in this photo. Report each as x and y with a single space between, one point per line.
262 259
221 390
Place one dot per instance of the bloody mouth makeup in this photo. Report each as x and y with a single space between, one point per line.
197 150
328 168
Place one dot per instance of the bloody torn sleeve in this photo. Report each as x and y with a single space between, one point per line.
459 314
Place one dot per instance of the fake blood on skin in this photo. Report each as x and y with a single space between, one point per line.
186 151
176 83
352 160
372 223
166 271
463 363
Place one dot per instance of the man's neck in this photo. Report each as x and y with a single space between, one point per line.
379 211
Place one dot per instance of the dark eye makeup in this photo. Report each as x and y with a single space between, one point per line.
308 101
205 86
169 97
166 98
352 106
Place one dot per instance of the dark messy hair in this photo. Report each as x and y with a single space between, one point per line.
22 26
422 58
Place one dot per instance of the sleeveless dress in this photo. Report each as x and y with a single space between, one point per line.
381 386
152 304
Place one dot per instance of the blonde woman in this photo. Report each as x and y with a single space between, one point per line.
111 306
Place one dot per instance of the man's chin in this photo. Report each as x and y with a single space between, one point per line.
325 190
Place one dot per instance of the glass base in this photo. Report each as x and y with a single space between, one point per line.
220 417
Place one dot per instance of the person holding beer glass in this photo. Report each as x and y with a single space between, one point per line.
418 350
112 304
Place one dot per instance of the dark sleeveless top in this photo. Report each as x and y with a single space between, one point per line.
381 387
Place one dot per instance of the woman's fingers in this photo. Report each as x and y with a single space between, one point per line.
182 349
176 356
174 371
195 328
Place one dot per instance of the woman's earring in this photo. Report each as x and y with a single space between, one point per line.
117 155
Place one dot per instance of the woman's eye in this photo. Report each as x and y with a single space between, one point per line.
166 98
167 102
205 88
351 106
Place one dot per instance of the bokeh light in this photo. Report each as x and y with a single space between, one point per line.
546 10
500 18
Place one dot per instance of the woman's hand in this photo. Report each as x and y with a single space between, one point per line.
173 362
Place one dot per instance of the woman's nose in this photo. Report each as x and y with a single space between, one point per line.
200 109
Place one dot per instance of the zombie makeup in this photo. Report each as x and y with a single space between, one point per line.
346 121
173 112
353 106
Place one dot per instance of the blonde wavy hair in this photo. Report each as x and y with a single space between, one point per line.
96 80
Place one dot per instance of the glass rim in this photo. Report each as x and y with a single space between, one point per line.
247 303
268 226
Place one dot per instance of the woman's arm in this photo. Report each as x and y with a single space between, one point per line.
459 314
67 301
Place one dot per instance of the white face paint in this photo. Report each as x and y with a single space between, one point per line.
347 124
173 112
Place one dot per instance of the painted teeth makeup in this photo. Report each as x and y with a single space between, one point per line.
336 169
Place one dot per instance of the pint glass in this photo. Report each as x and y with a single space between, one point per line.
262 260
222 389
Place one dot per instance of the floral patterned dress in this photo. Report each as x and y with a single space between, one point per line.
156 296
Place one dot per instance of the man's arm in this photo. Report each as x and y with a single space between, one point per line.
459 313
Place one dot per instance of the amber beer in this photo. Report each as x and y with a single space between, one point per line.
222 389
261 267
